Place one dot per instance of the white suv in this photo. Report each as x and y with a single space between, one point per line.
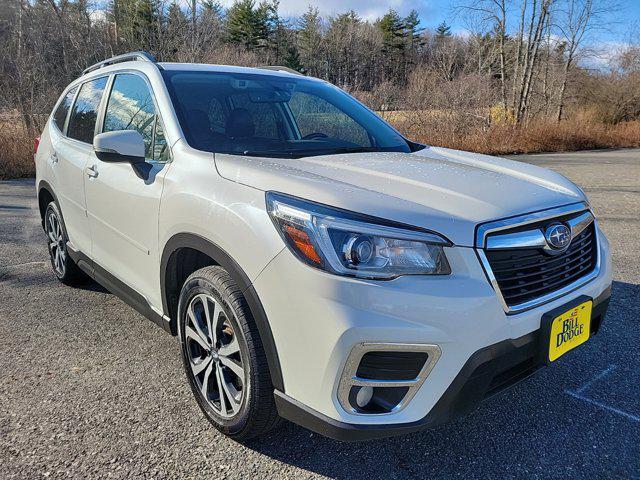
315 264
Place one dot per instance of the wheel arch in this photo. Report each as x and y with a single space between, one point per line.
200 252
45 196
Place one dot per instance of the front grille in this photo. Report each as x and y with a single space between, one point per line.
527 274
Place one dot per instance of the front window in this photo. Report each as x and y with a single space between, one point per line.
131 107
268 115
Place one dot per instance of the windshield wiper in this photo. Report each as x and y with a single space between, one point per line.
305 152
334 150
270 153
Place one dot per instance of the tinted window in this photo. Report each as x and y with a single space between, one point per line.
85 111
263 115
272 115
60 115
131 107
318 118
160 147
217 118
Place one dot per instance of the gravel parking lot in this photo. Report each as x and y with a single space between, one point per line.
89 388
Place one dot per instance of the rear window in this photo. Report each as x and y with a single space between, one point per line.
60 115
82 122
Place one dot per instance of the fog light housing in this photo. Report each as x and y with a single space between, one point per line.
381 378
363 396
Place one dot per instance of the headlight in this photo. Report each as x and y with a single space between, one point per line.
352 244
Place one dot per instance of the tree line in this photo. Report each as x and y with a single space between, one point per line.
520 60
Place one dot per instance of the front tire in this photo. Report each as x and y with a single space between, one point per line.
65 269
223 355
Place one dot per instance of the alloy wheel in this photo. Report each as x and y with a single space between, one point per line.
214 355
57 247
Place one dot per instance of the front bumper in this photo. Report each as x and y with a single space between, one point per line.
317 318
486 373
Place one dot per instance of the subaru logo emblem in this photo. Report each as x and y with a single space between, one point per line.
558 236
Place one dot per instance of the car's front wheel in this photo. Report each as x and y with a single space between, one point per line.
223 355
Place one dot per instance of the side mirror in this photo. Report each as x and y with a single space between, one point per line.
119 146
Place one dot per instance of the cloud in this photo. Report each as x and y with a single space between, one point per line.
603 55
98 15
368 10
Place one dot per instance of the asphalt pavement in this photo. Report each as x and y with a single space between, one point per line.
89 388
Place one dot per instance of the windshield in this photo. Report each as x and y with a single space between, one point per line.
268 115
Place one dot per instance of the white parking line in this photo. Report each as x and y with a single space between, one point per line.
603 406
579 394
601 375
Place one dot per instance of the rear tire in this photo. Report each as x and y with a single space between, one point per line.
223 356
65 269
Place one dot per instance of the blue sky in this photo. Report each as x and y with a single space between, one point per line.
621 22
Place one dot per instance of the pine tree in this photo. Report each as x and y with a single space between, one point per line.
413 31
443 30
176 24
309 41
250 25
212 8
241 24
393 31
292 59
137 23
394 44
414 40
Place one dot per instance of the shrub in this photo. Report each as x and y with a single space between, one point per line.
16 150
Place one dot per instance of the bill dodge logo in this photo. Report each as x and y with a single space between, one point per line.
571 328
558 236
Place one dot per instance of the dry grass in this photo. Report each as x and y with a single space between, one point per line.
16 151
538 136
16 147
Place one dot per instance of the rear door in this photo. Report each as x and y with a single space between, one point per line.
123 208
72 145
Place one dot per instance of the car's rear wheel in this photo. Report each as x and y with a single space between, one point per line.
63 265
223 355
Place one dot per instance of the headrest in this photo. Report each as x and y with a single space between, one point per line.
240 124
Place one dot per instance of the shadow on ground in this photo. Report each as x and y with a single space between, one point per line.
534 416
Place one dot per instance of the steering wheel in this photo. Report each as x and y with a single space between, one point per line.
314 135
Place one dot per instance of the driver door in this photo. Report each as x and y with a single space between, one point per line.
122 207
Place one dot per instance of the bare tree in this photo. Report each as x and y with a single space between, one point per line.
576 18
494 13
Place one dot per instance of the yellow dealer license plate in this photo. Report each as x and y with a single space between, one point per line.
569 330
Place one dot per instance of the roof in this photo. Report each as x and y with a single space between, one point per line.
139 58
205 67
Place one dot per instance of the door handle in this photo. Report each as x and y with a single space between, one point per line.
92 171
53 158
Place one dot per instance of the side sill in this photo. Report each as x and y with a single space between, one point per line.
119 288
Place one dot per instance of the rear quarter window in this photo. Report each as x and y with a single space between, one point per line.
60 114
84 114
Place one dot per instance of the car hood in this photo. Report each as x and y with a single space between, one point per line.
443 190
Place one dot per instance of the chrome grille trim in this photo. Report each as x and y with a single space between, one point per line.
528 239
482 231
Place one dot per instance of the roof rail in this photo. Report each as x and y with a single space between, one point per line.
125 57
279 68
